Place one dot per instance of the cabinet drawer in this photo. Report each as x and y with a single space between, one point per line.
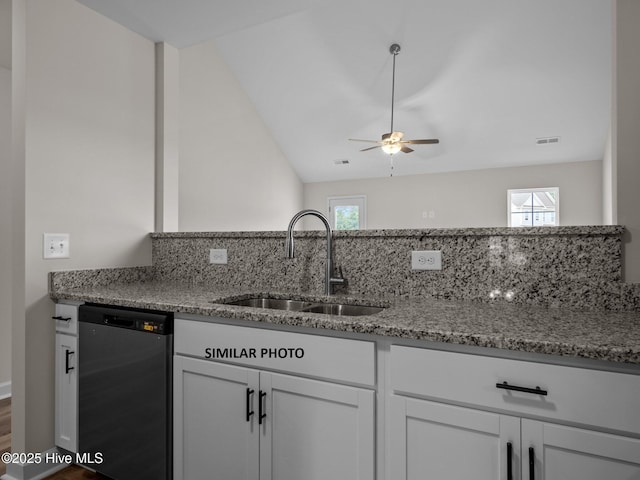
66 318
66 392
578 395
343 360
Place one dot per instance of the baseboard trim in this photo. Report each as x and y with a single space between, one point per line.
5 390
35 471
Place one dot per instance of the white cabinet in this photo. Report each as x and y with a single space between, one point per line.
212 436
66 377
553 451
574 395
451 417
439 441
242 422
442 441
315 430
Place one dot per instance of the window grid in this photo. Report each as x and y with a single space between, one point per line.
533 207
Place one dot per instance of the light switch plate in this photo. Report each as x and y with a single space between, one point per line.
426 260
55 245
218 256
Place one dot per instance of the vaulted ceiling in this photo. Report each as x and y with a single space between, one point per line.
487 77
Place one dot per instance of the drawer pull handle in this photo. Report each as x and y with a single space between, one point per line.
67 354
509 461
260 414
60 317
535 391
248 410
532 464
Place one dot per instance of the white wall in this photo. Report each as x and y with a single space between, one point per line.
233 176
5 34
609 182
627 163
89 172
167 88
5 228
17 247
467 199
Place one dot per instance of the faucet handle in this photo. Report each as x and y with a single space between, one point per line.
339 280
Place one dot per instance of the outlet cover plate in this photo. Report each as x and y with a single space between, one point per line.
218 256
426 260
55 245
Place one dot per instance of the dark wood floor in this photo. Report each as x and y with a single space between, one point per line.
5 430
73 472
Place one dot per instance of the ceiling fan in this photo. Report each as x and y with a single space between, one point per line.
393 142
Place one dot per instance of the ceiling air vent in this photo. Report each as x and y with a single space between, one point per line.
547 140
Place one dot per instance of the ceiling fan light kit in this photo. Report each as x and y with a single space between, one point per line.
391 148
392 142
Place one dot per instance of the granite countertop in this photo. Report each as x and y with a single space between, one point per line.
598 335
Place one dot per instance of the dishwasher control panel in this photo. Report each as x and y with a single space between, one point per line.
151 321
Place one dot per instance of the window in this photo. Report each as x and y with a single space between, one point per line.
533 207
347 213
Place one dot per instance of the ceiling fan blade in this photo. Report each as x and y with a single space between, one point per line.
370 148
422 142
360 140
406 149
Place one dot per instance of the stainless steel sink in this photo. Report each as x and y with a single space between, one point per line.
305 306
274 303
342 309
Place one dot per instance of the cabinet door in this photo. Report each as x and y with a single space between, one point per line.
212 437
567 453
66 392
315 430
442 442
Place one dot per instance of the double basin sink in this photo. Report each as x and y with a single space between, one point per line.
328 308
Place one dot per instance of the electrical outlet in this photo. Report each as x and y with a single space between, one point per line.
218 256
55 245
426 260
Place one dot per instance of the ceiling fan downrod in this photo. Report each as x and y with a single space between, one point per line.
394 50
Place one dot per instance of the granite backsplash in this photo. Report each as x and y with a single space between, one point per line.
574 267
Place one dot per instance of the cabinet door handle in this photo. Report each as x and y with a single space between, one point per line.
535 391
248 410
509 461
532 464
260 414
67 354
60 317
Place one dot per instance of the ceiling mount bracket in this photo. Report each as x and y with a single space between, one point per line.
394 49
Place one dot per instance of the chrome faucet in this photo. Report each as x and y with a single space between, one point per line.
329 279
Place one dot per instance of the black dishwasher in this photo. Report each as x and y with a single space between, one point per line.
124 392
